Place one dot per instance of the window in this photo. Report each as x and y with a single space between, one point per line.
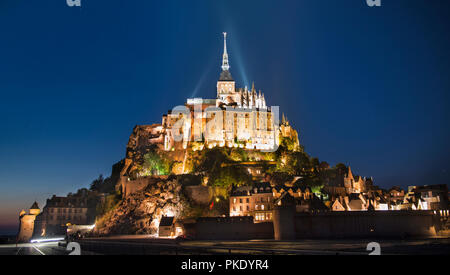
240 200
262 207
234 200
248 200
240 208
248 208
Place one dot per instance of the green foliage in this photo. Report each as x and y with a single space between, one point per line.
210 159
230 176
155 165
238 154
109 204
288 144
222 192
217 165
217 207
294 163
280 178
317 189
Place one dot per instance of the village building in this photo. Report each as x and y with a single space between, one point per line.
434 197
396 195
61 212
167 227
255 201
359 202
427 197
354 184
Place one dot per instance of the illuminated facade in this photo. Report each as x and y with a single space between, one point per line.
354 185
60 212
238 117
27 223
256 201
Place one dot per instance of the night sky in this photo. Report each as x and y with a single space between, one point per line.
368 87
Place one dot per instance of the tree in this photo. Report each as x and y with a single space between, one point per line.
341 168
230 176
97 183
102 185
211 159
155 165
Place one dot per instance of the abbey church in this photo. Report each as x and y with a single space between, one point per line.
237 117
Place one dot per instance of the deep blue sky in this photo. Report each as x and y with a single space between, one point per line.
365 86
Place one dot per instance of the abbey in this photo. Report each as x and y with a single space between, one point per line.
237 117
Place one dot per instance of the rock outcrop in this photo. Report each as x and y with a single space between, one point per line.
141 212
141 140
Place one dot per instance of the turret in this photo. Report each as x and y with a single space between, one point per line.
34 209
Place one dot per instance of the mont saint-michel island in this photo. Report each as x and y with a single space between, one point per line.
230 168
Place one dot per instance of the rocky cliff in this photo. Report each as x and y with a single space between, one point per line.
141 140
141 212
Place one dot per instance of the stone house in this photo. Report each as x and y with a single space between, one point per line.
167 227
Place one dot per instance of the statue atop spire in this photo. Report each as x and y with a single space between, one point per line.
225 65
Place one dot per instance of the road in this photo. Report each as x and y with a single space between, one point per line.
147 245
50 248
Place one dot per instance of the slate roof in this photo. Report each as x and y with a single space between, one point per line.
34 206
225 76
262 187
166 221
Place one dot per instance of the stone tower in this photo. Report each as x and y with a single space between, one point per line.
27 223
226 86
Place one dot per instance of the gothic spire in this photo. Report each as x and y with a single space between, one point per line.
225 75
225 65
350 174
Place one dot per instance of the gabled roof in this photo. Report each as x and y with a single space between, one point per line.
356 205
338 203
166 221
396 188
248 190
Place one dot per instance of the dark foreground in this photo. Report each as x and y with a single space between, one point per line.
137 245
